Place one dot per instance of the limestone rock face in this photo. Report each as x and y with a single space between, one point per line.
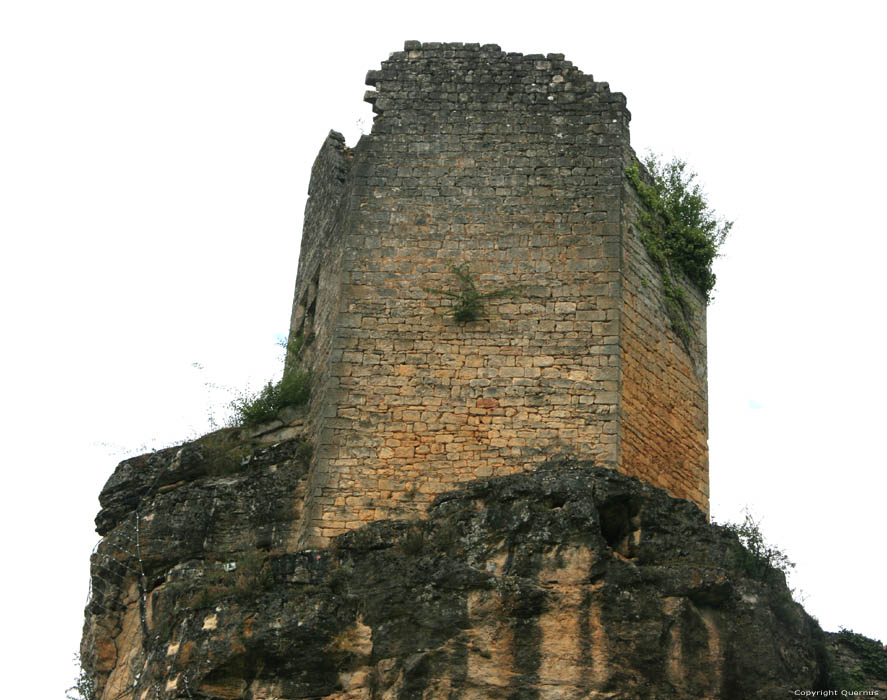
568 581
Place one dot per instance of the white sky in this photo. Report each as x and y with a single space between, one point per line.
154 163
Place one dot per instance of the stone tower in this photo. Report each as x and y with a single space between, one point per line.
508 170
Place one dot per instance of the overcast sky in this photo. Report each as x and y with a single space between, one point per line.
154 163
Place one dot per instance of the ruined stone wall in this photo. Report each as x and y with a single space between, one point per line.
664 393
511 167
314 343
316 298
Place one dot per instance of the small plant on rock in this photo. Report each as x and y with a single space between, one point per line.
468 304
293 389
756 558
84 686
296 344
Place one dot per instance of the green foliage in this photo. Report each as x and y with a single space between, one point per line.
872 657
298 342
295 344
468 301
872 654
679 310
293 389
680 229
845 679
756 558
84 686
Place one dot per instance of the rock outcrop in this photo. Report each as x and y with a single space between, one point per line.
568 581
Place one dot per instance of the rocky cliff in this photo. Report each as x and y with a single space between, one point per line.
568 581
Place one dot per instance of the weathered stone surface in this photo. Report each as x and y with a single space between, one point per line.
513 168
568 581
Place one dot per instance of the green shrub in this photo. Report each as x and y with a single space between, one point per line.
680 230
298 342
293 389
845 679
84 686
756 558
872 654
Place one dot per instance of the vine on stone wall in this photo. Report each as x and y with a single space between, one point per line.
681 233
872 657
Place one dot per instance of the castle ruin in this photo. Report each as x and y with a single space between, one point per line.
505 172
474 297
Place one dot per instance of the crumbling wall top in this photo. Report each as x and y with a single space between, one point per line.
440 78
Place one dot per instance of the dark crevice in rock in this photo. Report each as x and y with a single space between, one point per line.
619 522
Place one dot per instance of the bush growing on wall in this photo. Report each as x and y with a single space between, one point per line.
680 232
680 228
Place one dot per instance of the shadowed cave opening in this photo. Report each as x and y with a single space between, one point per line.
619 522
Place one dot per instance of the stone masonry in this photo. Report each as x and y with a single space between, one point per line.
512 167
